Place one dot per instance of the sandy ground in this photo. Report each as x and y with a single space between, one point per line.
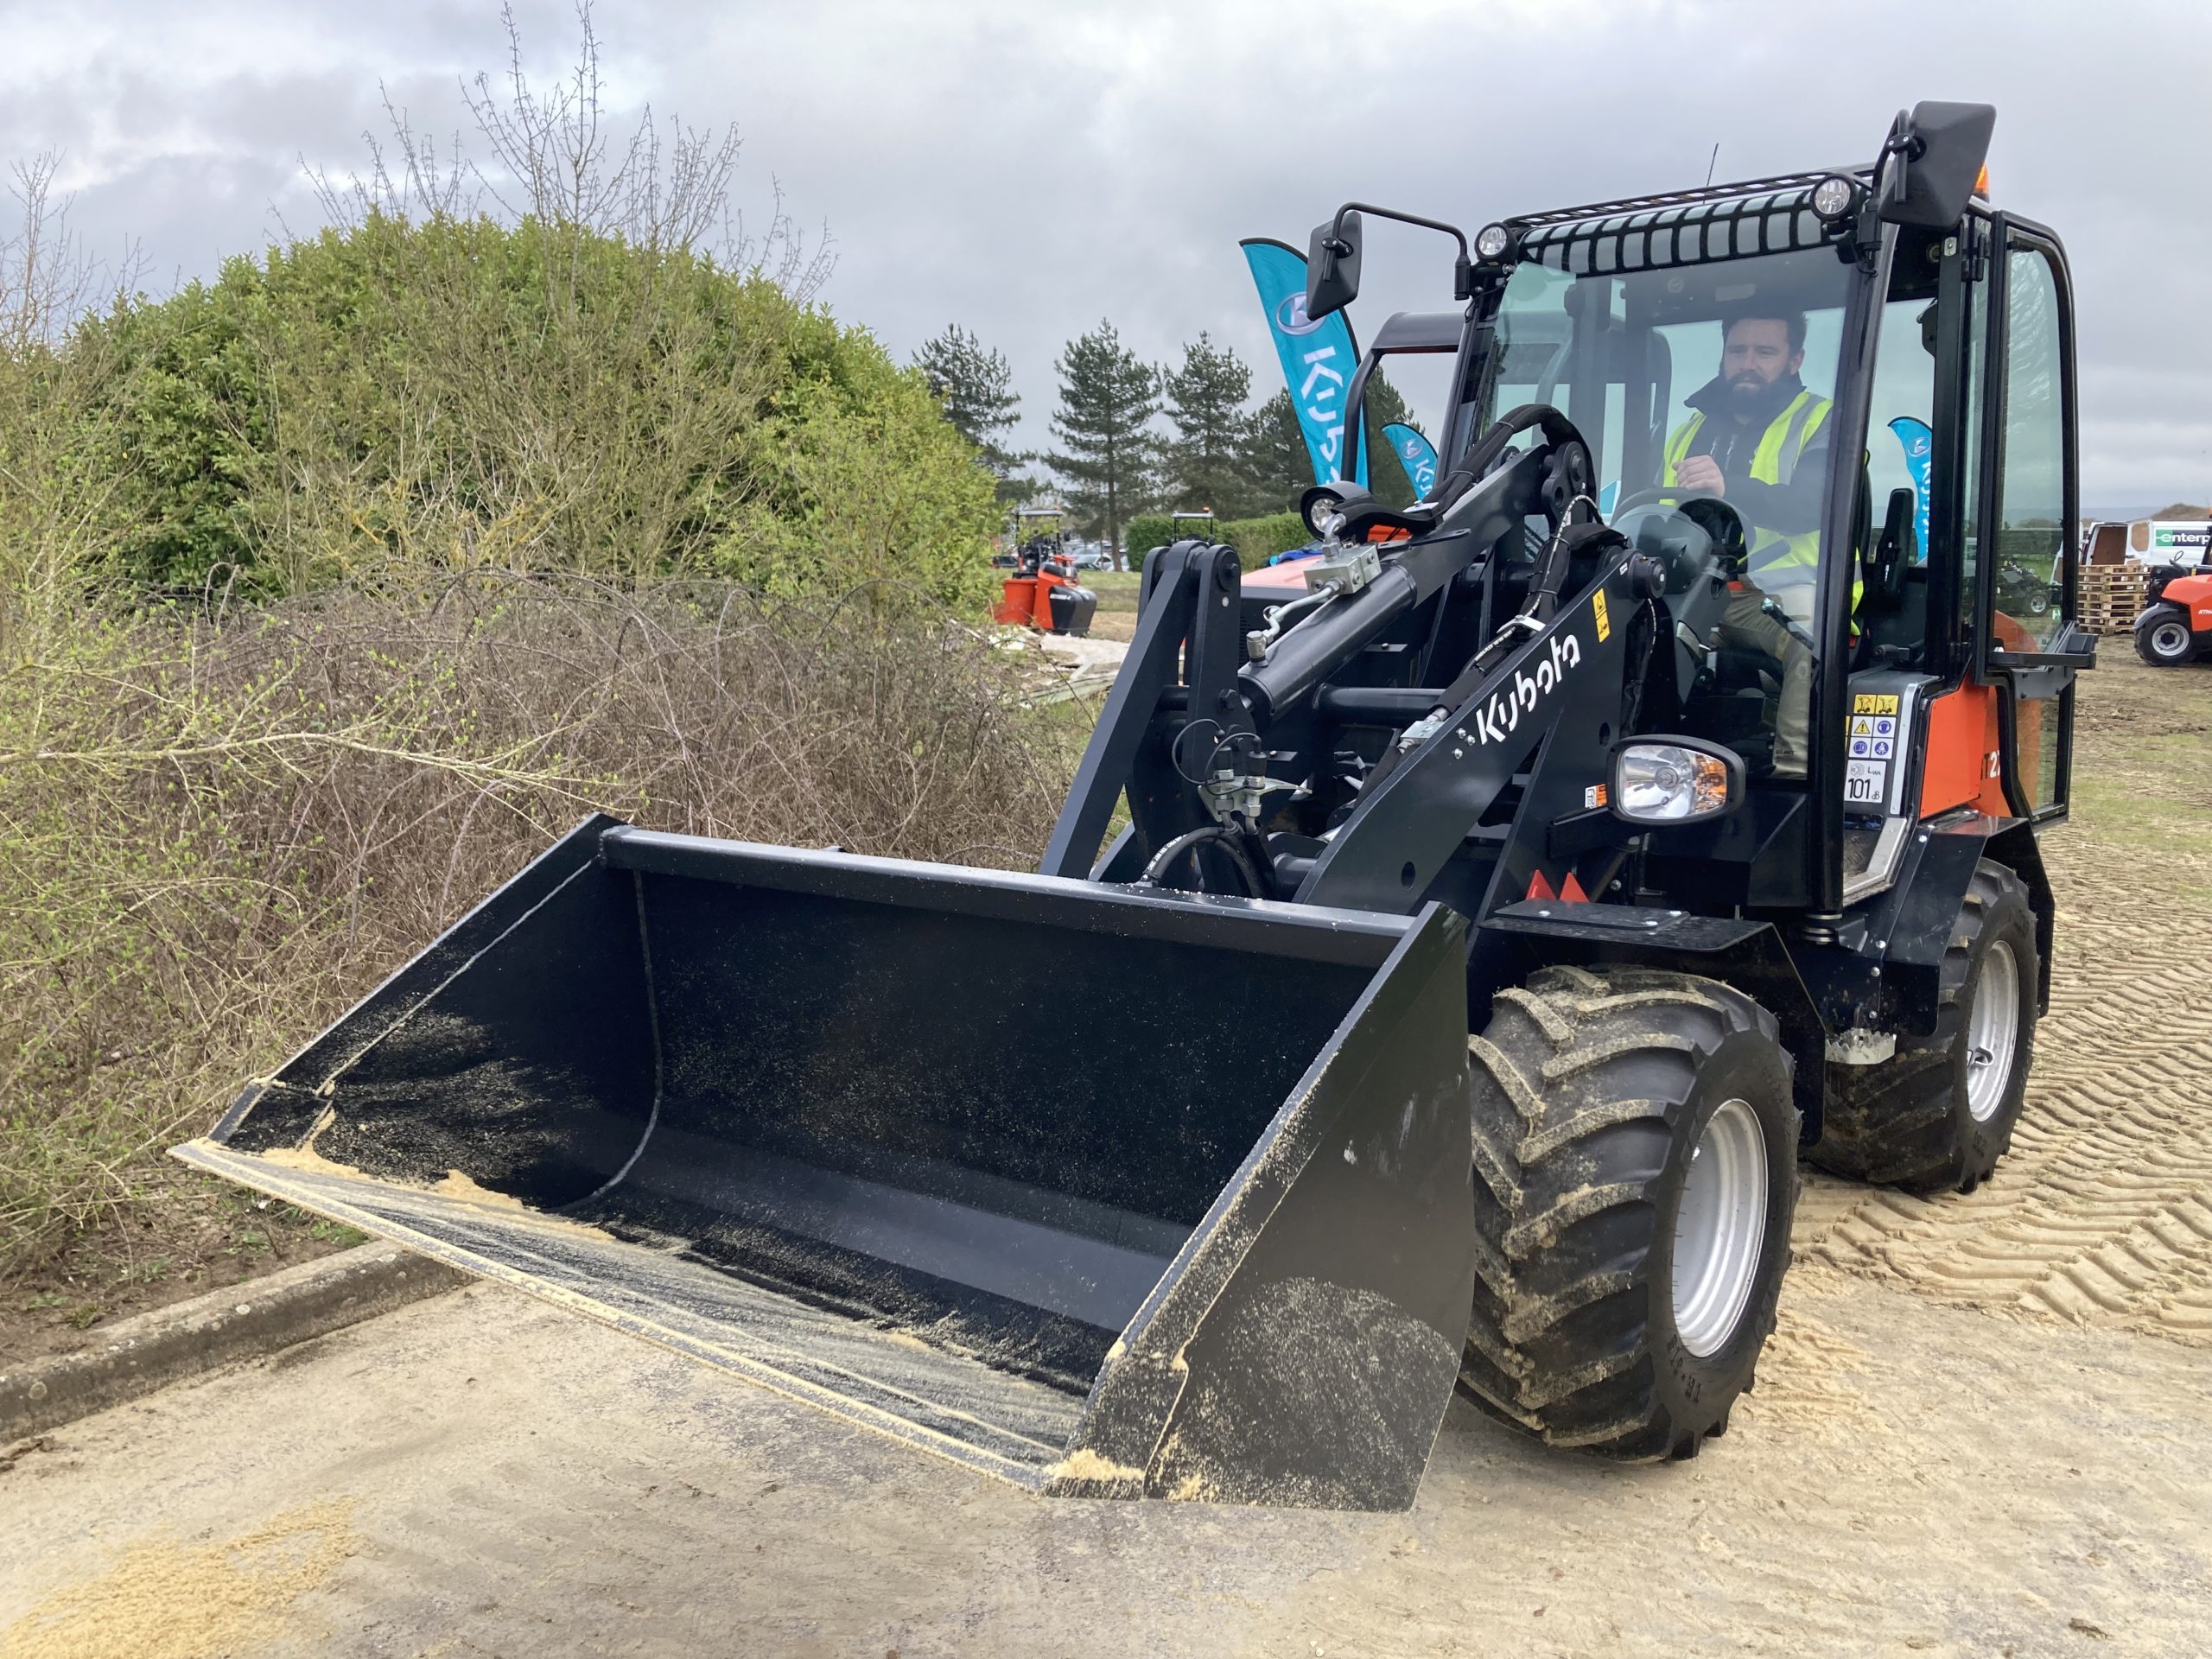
1093 658
1984 1427
483 1474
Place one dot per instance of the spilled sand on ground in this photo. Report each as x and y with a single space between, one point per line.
168 1600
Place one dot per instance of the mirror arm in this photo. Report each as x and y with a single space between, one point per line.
1463 271
1899 150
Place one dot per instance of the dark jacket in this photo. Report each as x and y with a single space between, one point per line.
1731 432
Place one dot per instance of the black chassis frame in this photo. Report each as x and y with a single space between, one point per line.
1471 814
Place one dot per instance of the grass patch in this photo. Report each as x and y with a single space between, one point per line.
2116 809
2142 789
1116 589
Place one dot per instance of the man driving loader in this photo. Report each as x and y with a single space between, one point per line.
1758 439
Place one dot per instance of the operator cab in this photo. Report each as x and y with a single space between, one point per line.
1709 354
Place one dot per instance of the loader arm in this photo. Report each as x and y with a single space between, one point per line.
1466 817
1189 708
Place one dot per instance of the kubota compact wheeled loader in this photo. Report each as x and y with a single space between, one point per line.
1500 911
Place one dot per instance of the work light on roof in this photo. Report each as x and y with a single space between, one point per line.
1491 242
1834 197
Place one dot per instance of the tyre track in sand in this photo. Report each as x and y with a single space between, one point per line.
2102 1213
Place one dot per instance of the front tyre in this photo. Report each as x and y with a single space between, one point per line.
1636 1150
1940 1112
2163 639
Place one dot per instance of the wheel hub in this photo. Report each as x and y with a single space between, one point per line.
2170 638
1719 1226
1992 1031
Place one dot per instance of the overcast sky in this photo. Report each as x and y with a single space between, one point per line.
1028 170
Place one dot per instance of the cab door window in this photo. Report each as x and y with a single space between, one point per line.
2029 539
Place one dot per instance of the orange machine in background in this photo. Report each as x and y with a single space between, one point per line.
1043 594
1049 601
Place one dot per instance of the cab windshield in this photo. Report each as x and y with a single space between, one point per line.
1634 358
1705 390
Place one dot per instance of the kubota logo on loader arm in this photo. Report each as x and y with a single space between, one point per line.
1494 719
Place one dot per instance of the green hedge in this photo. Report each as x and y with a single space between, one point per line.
1256 540
1143 533
536 396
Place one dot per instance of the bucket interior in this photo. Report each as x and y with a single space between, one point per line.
986 1116
993 1133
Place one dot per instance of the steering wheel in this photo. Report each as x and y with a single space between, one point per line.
1668 494
1569 476
1572 475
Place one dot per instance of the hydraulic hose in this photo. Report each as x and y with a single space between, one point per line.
1164 860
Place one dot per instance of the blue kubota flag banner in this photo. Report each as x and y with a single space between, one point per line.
1919 450
1318 358
1418 453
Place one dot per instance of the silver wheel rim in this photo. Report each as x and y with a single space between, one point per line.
2170 638
1719 1228
1992 1031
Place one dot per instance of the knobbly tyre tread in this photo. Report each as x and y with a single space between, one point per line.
1900 1123
1582 1084
2143 633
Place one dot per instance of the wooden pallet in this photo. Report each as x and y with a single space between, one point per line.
2111 596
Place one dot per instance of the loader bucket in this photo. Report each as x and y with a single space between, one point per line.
796 1114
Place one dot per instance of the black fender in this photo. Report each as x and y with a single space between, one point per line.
1516 939
1906 930
2015 847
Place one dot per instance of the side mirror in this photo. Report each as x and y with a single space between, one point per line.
1332 266
1932 162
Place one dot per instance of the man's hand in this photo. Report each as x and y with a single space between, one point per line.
1701 473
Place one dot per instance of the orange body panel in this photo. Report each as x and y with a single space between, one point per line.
2193 595
1027 601
1961 767
1287 577
1018 601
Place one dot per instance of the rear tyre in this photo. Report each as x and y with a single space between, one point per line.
1636 1150
1941 1113
2163 639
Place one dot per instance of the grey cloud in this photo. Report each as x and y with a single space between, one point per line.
1025 171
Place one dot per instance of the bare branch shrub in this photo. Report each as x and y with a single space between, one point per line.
222 832
554 159
53 496
488 435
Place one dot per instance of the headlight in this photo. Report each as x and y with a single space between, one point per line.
1674 780
1491 242
1319 510
1834 197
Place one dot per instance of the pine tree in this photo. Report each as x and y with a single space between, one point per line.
976 388
1108 396
1274 456
1205 403
1386 474
1276 461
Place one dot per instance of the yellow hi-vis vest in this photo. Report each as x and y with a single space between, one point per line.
1776 560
